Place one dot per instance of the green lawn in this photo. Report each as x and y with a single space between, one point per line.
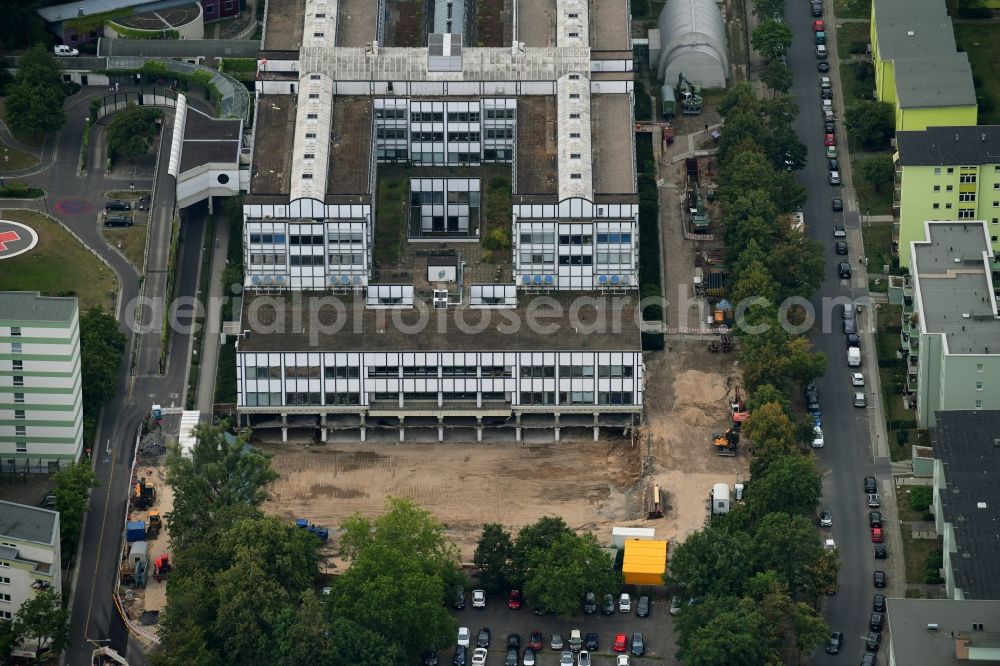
980 42
878 245
852 38
57 266
390 221
860 9
870 201
888 330
130 241
14 159
903 508
917 551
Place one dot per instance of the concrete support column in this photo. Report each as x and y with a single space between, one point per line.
440 434
479 432
597 433
322 427
323 434
402 434
556 431
363 433
284 434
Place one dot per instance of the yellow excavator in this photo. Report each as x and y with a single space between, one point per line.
726 443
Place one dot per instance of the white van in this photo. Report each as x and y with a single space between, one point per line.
64 51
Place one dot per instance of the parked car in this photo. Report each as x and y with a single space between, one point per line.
823 66
117 221
583 659
514 641
642 606
625 603
620 643
638 645
529 658
483 639
48 502
566 658
464 637
834 178
817 441
878 603
877 536
875 621
608 607
429 658
850 326
622 660
479 657
874 641
462 655
514 600
833 164
858 379
869 659
458 598
590 603
556 642
853 341
535 640
880 551
825 518
870 486
837 204
675 605
826 93
816 9
575 640
117 204
63 51
511 658
874 519
839 231
859 399
874 501
590 641
879 579
835 643
479 598
819 26
829 139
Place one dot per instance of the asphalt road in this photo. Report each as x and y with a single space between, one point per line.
93 615
848 453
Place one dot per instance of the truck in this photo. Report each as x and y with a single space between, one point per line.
64 51
720 499
668 101
853 357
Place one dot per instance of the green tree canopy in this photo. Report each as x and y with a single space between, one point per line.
102 345
538 536
132 131
771 38
35 98
784 483
302 633
770 428
878 170
872 122
732 636
777 76
767 393
72 490
572 566
43 620
492 557
712 562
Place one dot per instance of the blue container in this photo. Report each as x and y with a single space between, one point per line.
135 530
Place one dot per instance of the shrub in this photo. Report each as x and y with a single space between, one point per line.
921 498
497 239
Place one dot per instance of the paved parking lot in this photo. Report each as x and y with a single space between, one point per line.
657 630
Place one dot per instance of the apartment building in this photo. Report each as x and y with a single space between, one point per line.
951 333
917 67
41 411
30 559
941 632
415 203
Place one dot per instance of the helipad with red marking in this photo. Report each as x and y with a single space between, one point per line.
15 239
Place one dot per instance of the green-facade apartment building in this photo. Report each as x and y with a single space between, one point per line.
41 413
951 330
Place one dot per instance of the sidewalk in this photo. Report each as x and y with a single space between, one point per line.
208 369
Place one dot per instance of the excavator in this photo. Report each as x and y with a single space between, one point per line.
726 443
690 99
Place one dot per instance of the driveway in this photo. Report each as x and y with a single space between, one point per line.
657 630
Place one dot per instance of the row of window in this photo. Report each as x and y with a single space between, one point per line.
603 398
542 237
488 371
549 371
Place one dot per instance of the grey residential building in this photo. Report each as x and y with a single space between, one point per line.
30 558
943 632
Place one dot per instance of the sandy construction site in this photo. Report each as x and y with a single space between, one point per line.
592 485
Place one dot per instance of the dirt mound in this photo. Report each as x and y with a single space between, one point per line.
698 418
694 386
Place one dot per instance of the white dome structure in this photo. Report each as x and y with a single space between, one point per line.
693 43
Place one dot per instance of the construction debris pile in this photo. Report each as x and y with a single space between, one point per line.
152 445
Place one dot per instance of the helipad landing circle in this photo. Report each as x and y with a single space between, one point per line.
15 239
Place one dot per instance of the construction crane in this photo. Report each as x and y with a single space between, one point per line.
690 98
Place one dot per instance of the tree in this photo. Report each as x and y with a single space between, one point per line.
563 574
783 147
358 646
538 536
872 122
793 627
777 76
787 545
739 97
767 393
788 483
733 636
755 282
878 170
798 264
713 562
133 131
771 38
102 345
768 9
219 474
35 99
72 490
770 428
492 557
400 566
248 609
801 363
43 620
302 636
8 641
